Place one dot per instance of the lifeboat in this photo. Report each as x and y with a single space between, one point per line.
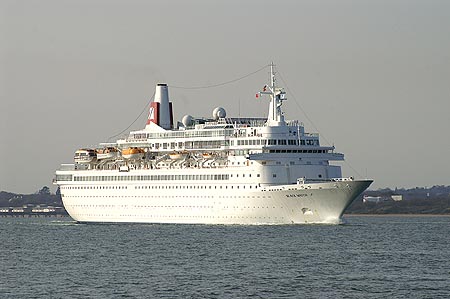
107 153
83 156
177 155
207 155
133 153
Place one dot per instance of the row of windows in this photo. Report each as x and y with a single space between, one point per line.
292 142
64 177
219 143
182 134
139 196
137 216
310 142
94 187
142 206
206 144
162 177
172 207
299 151
250 142
158 187
276 142
193 187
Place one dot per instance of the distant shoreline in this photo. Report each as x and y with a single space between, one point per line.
33 216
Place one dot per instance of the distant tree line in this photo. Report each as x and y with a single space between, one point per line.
41 197
434 200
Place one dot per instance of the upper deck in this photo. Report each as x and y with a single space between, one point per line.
229 133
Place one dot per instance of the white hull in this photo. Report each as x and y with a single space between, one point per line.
289 204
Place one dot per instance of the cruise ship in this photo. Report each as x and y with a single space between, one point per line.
217 170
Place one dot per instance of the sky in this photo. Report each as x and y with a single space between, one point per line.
371 76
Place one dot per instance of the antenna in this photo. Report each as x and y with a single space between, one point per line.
239 107
277 96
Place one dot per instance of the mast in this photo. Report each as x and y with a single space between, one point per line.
277 96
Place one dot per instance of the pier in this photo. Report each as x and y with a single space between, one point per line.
33 212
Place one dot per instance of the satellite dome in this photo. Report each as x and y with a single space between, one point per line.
219 112
187 120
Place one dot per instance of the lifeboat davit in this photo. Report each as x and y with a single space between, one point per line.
85 155
133 153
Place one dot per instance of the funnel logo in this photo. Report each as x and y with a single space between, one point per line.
151 115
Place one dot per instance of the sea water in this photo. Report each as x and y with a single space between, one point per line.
367 257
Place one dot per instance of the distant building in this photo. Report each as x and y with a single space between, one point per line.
374 199
397 197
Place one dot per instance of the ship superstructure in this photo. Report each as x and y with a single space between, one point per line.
215 171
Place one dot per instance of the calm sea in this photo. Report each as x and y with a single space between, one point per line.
368 257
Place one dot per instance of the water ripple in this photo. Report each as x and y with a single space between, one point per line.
369 257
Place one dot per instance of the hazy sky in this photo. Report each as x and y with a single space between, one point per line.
372 75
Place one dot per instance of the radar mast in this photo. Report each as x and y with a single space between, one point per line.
277 96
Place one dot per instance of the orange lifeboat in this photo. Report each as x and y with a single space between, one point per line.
207 155
133 153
